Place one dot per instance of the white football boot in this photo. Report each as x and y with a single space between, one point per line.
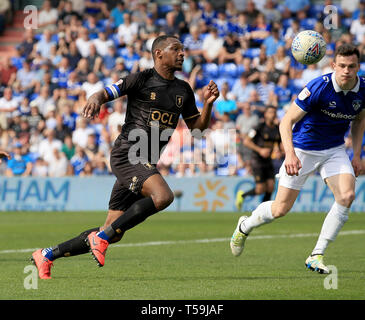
315 263
238 238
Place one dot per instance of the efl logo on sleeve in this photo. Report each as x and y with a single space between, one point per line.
304 94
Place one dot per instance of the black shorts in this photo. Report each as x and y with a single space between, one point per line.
262 171
130 177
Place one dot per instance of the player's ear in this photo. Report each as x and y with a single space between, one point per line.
158 54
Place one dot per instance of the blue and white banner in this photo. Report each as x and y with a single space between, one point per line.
198 194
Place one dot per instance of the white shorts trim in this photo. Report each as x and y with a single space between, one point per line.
328 163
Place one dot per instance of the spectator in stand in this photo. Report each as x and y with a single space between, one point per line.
131 58
251 12
117 13
242 89
44 100
40 168
45 44
231 50
264 87
170 27
47 17
8 105
62 73
79 160
35 116
67 13
92 85
28 44
80 135
273 42
193 13
212 45
283 92
73 55
7 72
61 130
68 148
281 60
83 42
116 118
48 144
58 166
258 31
109 60
358 28
209 14
26 77
128 31
20 163
194 43
271 13
225 103
87 171
102 43
95 61
73 86
292 7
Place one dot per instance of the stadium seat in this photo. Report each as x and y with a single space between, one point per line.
228 70
252 53
210 70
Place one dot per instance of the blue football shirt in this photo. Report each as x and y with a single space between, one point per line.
330 111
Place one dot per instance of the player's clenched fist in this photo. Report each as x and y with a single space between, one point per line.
210 92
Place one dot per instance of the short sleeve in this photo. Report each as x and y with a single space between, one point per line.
190 109
125 85
309 96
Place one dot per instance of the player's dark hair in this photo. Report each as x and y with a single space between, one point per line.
347 50
160 42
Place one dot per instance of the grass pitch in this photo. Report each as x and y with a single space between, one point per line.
183 256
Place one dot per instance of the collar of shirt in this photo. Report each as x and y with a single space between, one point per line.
338 89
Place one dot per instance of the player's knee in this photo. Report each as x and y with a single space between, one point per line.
163 200
346 198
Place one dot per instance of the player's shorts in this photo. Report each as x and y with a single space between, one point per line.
130 177
327 163
262 171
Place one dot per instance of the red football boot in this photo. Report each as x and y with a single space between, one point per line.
42 263
98 247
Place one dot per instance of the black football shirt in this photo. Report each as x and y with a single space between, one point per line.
154 105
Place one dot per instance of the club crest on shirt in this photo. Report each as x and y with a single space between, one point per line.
179 101
356 104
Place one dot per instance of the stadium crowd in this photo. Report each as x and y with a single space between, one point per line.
81 46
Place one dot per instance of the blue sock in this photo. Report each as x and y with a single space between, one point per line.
47 252
103 235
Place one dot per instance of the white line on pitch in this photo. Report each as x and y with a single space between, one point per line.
160 243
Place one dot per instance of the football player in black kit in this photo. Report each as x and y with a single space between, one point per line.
156 99
262 140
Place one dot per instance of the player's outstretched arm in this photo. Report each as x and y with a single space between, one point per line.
94 103
292 116
210 94
357 132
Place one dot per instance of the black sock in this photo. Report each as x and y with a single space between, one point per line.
251 192
74 246
135 214
267 196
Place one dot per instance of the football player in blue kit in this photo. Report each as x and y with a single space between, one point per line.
312 133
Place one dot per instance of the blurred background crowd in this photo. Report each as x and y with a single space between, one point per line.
82 46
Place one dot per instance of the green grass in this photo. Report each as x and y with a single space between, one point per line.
271 268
